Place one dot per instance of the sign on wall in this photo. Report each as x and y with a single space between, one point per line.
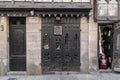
58 30
33 19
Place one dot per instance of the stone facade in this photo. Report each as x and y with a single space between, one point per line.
33 36
93 45
88 45
4 45
84 25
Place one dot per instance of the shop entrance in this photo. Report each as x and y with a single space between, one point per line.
105 46
60 44
17 34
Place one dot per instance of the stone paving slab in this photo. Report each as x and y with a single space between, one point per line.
97 76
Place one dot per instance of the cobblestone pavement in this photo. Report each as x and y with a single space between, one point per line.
95 76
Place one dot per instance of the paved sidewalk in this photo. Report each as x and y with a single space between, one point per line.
97 76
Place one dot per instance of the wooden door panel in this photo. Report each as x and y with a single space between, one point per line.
17 44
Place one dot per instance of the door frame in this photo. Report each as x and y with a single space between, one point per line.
8 42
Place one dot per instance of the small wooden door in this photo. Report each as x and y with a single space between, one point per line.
17 34
116 46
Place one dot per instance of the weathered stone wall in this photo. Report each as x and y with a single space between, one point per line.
84 26
93 44
88 45
33 39
93 41
3 45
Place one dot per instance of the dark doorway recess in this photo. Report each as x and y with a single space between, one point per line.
105 46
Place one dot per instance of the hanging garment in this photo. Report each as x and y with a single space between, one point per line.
103 63
109 33
100 42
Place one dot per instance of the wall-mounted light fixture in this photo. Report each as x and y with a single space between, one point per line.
32 12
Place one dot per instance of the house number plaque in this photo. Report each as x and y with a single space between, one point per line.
57 30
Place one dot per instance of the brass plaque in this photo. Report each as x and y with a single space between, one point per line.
57 30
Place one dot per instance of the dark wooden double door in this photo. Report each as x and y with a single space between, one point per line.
60 44
17 37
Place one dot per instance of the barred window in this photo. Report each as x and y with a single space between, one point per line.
42 0
107 8
81 0
113 8
102 8
51 0
16 0
19 0
5 0
62 0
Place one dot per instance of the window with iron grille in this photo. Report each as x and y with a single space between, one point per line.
107 8
51 0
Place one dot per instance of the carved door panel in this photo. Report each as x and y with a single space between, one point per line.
71 50
60 45
47 47
57 53
116 48
17 44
